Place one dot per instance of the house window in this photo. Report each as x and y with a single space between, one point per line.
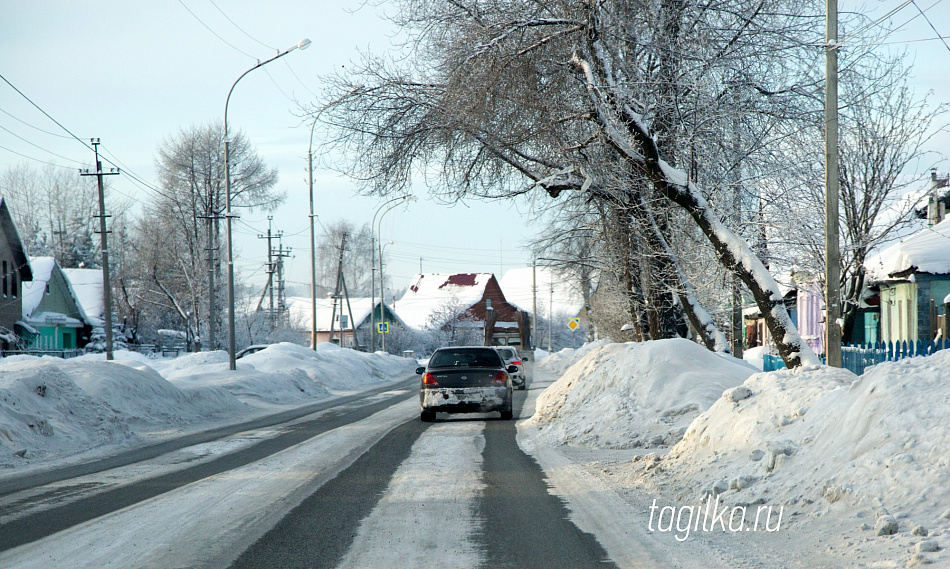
4 278
343 321
47 288
13 289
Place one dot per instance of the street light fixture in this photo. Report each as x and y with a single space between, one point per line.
372 268
379 232
302 44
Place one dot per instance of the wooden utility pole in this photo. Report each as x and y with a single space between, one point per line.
103 237
832 254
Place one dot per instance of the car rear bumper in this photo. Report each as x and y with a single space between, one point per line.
465 399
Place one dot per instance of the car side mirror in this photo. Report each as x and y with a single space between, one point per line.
420 370
512 369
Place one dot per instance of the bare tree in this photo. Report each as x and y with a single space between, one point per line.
177 245
565 95
884 129
358 257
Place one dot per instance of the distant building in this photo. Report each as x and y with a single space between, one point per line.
15 267
301 313
52 311
913 277
87 286
435 301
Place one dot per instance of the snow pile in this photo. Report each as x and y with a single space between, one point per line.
559 362
826 439
755 356
52 408
634 395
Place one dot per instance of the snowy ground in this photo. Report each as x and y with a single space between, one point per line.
845 459
55 411
634 437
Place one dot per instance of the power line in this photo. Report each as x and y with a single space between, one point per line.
931 24
37 146
40 109
233 23
33 126
215 34
35 159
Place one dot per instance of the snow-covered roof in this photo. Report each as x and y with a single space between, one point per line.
431 292
54 318
33 290
927 251
553 289
300 311
87 286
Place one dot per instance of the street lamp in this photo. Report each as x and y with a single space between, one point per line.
379 232
302 44
313 249
382 301
372 269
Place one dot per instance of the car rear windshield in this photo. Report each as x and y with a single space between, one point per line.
476 357
508 354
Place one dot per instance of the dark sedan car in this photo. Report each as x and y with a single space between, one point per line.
465 380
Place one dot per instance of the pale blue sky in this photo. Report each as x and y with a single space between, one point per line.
133 73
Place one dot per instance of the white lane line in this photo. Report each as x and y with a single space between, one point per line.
427 515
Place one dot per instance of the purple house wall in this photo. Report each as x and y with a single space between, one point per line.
811 316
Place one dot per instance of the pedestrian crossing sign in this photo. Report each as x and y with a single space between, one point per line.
382 327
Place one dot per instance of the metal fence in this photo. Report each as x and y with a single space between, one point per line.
858 357
65 354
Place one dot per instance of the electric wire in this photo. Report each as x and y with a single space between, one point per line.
914 2
214 33
33 126
240 29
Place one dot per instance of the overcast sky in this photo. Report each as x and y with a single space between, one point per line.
135 73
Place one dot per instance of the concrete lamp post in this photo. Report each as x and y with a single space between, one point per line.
302 44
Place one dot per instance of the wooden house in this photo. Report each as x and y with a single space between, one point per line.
14 269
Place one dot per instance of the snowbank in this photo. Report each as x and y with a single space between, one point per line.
633 395
52 408
559 362
755 356
824 439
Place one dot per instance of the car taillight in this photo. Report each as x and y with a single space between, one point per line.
500 377
516 363
429 379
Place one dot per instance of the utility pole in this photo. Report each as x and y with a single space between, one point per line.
337 292
103 237
281 254
212 249
534 294
832 254
270 272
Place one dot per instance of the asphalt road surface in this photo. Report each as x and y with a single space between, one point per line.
455 493
519 524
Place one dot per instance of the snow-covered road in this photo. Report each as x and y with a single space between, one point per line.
208 522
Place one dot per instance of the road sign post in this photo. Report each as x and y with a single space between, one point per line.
573 324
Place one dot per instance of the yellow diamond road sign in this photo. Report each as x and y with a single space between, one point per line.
573 323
